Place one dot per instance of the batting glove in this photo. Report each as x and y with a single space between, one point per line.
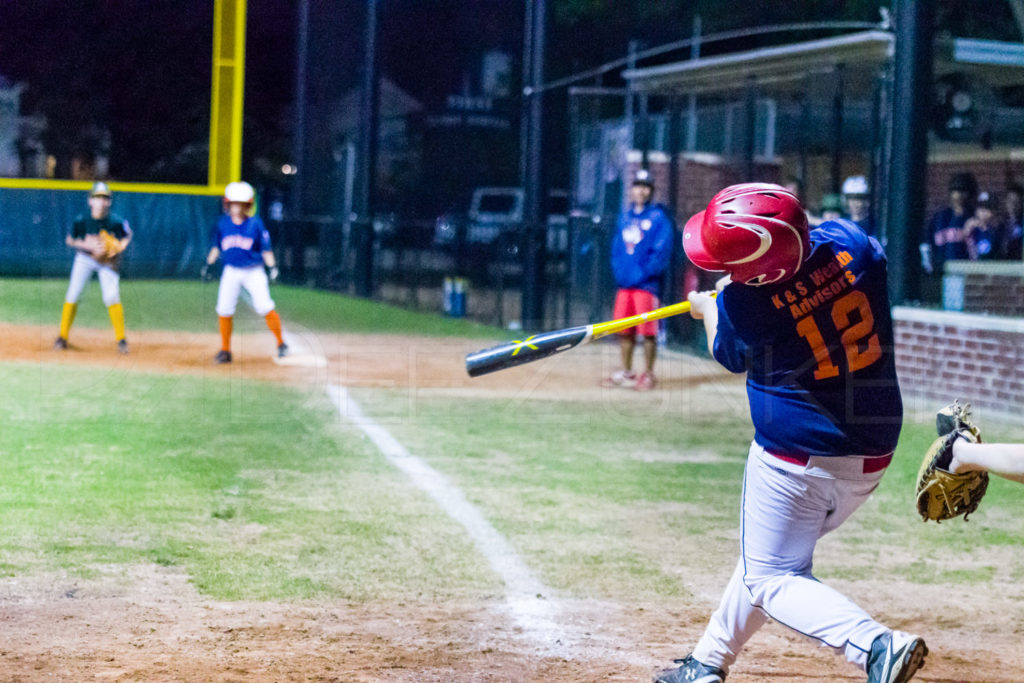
273 273
204 272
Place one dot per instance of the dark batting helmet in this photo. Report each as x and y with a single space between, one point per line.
643 177
757 232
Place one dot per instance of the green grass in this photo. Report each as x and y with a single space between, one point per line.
574 489
189 306
887 533
258 491
571 486
253 490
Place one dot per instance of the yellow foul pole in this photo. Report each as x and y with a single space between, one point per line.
227 97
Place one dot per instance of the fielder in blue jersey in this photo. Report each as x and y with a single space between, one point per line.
806 315
241 241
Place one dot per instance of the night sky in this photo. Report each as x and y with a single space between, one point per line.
140 68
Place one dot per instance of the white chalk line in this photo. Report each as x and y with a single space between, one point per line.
527 599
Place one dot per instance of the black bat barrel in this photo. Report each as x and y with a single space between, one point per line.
525 351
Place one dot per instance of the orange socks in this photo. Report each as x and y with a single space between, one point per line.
274 323
225 332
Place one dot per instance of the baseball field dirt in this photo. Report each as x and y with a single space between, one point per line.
148 622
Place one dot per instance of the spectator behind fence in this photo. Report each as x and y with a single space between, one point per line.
983 232
857 197
1014 227
944 238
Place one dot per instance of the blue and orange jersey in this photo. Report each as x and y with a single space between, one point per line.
641 248
241 246
818 350
945 232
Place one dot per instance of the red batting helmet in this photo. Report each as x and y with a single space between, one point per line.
757 232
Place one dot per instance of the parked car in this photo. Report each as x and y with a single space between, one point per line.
495 217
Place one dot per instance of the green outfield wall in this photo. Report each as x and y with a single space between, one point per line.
171 231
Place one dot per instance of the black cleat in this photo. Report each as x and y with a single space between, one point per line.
122 347
691 671
61 344
222 357
282 350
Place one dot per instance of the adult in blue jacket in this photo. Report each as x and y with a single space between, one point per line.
641 250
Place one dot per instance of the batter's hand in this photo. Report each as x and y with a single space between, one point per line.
699 303
272 273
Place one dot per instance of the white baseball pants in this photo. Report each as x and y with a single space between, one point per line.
254 280
786 508
82 269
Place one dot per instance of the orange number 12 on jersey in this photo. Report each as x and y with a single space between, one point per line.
859 339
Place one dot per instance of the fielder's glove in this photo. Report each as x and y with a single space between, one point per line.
272 273
940 493
111 245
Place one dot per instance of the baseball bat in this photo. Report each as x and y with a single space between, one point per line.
518 352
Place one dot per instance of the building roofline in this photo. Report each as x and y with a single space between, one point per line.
767 65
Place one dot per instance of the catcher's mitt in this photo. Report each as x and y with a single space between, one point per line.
111 245
942 494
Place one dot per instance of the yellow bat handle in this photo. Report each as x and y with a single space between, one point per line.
612 326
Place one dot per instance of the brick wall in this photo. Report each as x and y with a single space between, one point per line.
942 355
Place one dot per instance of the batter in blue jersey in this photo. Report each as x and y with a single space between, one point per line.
818 350
806 315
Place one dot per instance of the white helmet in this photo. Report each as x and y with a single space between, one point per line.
856 185
239 191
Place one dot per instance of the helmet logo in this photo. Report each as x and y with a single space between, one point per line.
763 235
764 279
